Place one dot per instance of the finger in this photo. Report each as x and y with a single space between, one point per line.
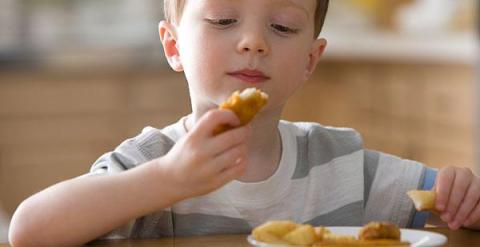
233 172
463 178
469 202
229 158
443 185
474 216
213 118
229 139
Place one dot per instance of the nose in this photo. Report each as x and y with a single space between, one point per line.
253 41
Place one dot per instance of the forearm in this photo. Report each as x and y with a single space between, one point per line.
79 210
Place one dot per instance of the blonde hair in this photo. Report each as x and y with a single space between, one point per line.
173 12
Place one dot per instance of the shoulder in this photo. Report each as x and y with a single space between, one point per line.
316 129
346 140
153 142
319 147
149 144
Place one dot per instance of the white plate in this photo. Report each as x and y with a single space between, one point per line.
417 238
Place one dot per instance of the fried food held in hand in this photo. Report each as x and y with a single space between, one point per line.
245 105
423 199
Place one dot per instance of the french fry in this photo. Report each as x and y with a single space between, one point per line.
302 235
273 231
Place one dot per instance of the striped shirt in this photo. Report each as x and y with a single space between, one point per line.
325 177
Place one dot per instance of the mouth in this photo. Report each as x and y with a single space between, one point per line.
250 76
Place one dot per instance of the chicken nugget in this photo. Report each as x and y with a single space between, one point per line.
245 105
379 230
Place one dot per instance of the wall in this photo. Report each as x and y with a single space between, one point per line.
53 125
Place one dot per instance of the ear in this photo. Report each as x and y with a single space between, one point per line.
318 47
168 37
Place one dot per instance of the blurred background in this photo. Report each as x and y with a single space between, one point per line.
78 77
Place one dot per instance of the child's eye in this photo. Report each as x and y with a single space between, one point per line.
221 22
284 29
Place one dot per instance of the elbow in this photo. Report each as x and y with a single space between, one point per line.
19 233
16 239
31 226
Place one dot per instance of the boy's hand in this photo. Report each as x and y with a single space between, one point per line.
202 162
458 194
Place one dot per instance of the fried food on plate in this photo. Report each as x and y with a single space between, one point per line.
423 199
245 105
355 242
274 231
293 234
336 239
379 230
302 235
321 231
372 234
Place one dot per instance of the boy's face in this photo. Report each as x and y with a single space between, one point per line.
227 45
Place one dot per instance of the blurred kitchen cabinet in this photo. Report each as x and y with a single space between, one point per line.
53 125
416 111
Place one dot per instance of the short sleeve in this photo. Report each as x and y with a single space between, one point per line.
390 179
420 218
148 145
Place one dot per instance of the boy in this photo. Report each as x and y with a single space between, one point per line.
182 180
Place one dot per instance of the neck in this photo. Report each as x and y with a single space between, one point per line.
264 145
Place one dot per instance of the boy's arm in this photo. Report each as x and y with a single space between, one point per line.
81 209
76 211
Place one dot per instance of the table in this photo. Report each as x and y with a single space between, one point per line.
457 238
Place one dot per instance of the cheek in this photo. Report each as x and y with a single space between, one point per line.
289 66
204 61
201 57
293 63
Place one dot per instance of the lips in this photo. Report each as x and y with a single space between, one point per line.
250 76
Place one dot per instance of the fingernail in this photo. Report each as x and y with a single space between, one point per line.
238 160
441 207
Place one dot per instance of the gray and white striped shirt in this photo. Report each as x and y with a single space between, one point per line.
325 177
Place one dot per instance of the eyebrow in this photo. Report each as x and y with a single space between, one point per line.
290 3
